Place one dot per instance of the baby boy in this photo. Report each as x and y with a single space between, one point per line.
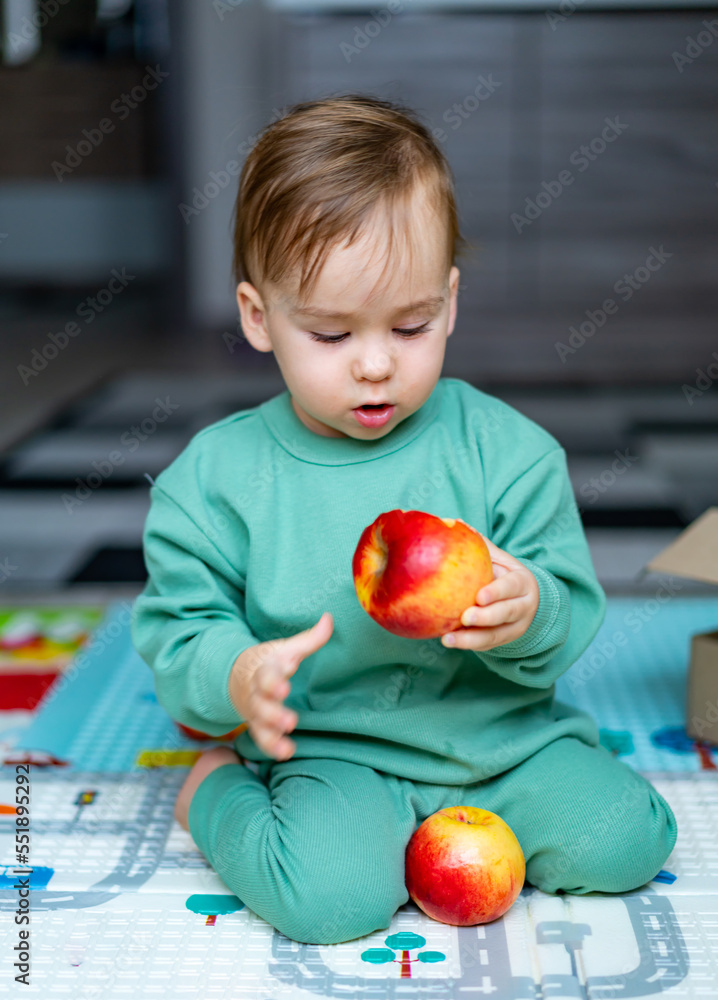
346 236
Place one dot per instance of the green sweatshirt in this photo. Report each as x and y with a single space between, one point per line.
250 537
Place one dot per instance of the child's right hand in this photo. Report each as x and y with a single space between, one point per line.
258 685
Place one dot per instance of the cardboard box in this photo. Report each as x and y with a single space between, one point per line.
694 554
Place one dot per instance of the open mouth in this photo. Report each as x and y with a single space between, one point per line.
374 414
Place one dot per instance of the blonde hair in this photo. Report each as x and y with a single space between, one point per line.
321 171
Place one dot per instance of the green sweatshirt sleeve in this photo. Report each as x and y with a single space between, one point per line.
188 624
536 520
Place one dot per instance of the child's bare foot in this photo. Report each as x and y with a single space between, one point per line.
204 765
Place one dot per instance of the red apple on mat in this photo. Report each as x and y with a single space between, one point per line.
464 866
415 573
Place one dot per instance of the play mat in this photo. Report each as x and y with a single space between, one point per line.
124 905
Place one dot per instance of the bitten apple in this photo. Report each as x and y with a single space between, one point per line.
416 573
464 866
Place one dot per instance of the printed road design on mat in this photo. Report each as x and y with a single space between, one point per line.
123 903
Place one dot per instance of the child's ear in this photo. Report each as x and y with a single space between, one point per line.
453 293
253 316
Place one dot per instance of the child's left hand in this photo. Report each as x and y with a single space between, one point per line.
504 608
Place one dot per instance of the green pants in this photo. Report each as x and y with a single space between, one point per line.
315 846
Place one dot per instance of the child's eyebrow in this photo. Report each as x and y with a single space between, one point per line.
433 302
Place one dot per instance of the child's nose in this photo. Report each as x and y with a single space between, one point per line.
373 362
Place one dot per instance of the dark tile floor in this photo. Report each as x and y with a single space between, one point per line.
74 494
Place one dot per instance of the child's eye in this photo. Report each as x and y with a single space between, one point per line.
328 340
337 337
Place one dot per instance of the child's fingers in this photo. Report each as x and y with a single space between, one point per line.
509 584
269 738
263 737
266 740
271 682
277 687
500 613
284 749
274 681
270 712
500 556
304 643
286 655
273 742
479 639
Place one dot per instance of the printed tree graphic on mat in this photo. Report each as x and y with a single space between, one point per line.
212 904
404 941
616 741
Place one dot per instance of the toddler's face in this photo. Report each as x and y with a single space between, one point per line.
371 357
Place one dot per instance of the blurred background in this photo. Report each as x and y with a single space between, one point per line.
583 142
582 136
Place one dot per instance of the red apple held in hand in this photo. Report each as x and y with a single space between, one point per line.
415 573
464 866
